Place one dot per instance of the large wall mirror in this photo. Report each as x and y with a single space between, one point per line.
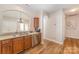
14 21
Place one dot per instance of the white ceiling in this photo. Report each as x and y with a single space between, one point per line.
37 8
50 7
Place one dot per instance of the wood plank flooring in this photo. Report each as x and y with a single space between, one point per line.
47 48
70 46
51 48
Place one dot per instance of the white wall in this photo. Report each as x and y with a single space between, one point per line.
44 26
60 26
50 27
55 26
0 23
72 26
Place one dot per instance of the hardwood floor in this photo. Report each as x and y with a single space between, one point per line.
47 48
52 48
70 46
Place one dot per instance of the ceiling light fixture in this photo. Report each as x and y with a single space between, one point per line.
73 10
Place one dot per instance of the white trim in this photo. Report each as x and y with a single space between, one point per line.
54 40
72 37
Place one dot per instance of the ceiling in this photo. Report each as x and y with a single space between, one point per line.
49 8
37 8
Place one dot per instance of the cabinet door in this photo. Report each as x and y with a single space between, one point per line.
15 45
36 22
21 44
0 47
18 45
7 47
28 42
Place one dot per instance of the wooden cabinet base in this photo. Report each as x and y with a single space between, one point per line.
7 47
28 42
0 47
18 45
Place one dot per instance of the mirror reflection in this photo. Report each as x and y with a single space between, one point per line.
19 21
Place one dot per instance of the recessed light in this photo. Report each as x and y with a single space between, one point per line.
73 10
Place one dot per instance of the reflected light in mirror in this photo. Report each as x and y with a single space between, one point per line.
21 26
26 27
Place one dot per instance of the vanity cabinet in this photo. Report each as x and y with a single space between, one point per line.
0 47
28 42
7 46
18 44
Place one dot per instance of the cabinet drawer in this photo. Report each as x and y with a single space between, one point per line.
0 42
7 46
30 36
6 41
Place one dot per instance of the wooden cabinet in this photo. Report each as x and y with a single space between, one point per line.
36 22
7 46
28 42
0 47
18 45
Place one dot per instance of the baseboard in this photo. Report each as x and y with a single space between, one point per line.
54 41
71 38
